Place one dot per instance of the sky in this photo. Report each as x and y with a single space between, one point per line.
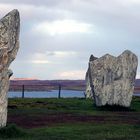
57 37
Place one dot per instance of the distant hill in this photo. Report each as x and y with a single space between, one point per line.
52 84
47 84
55 82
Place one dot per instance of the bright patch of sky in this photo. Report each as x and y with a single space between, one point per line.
62 27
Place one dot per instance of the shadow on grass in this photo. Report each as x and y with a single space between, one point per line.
115 108
12 131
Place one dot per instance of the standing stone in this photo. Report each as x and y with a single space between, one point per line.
9 44
88 91
112 79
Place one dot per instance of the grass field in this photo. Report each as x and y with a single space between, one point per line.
70 119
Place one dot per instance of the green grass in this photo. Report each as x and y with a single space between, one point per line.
12 131
77 131
70 105
116 125
52 105
92 131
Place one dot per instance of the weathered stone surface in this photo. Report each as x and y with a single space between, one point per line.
88 91
111 79
9 44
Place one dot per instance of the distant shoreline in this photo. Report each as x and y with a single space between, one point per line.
47 85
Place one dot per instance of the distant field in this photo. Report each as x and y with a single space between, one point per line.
71 119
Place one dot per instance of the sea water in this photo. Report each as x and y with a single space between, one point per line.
50 94
47 94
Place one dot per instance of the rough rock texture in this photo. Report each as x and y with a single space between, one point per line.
9 44
111 79
88 91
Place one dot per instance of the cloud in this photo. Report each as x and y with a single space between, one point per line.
34 2
61 53
62 27
34 13
49 57
40 62
129 2
138 75
74 74
38 58
57 36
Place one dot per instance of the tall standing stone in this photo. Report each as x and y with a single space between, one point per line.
112 79
9 45
88 91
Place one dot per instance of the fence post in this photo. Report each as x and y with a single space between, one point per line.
59 92
85 95
22 91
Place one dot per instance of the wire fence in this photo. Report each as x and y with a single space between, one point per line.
60 91
51 90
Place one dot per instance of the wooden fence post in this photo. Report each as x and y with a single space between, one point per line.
22 91
59 92
85 95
